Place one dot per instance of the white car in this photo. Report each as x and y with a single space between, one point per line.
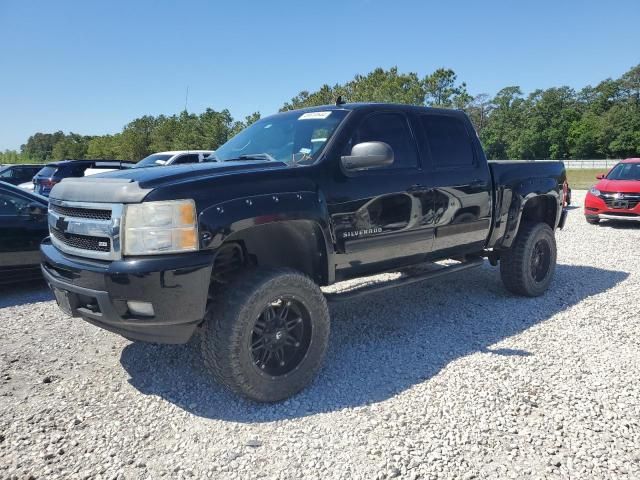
179 157
28 186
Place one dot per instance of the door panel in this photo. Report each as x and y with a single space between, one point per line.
461 183
380 215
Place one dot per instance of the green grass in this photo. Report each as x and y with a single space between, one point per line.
583 178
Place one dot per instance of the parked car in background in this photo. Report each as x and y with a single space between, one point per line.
53 172
28 186
23 225
19 173
616 196
178 157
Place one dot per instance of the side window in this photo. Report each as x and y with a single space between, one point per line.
392 129
191 158
25 174
9 173
447 140
77 170
11 205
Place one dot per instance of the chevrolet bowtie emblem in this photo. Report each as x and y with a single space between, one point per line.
62 224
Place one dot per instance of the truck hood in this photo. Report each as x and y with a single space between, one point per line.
132 185
624 186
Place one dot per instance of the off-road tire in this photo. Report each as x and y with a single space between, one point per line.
516 263
229 323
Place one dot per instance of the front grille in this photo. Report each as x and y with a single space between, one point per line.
84 242
612 199
89 213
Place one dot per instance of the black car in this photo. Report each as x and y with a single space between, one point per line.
17 174
23 225
54 172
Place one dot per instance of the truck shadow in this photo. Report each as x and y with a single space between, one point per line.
380 345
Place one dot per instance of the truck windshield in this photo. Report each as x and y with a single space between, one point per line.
295 138
625 171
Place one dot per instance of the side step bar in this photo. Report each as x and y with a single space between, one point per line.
404 280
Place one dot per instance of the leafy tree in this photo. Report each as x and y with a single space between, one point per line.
506 119
135 139
442 91
479 110
105 147
71 146
40 145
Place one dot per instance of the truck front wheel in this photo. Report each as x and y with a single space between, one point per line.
266 333
527 268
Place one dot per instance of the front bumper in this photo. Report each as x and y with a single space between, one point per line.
97 291
596 207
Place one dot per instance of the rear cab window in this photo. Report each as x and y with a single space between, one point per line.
446 140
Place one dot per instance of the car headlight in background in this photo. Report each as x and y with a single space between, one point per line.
153 228
594 191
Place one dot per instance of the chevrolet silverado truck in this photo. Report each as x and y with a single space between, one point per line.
235 249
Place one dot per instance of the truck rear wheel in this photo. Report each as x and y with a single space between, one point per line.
527 268
266 333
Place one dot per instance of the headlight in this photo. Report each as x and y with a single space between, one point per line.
594 191
152 228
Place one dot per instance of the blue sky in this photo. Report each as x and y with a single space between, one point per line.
92 66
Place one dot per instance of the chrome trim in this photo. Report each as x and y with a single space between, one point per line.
607 216
111 229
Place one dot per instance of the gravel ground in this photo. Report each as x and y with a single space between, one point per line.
450 379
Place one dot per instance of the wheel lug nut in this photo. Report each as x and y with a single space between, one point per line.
262 366
299 320
282 363
297 344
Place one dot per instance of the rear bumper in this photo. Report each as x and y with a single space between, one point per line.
98 291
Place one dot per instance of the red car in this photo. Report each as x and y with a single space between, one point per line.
617 194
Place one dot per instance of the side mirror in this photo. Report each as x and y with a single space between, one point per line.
367 155
600 176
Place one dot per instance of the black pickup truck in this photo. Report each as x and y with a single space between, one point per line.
236 248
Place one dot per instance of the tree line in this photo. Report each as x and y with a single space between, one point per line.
601 121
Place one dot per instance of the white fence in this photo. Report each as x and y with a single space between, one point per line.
603 164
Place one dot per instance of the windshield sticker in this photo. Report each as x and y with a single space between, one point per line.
314 116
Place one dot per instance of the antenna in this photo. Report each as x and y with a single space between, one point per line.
186 99
340 101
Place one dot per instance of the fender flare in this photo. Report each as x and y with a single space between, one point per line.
224 221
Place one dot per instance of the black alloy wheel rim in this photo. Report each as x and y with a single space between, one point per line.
281 337
540 260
